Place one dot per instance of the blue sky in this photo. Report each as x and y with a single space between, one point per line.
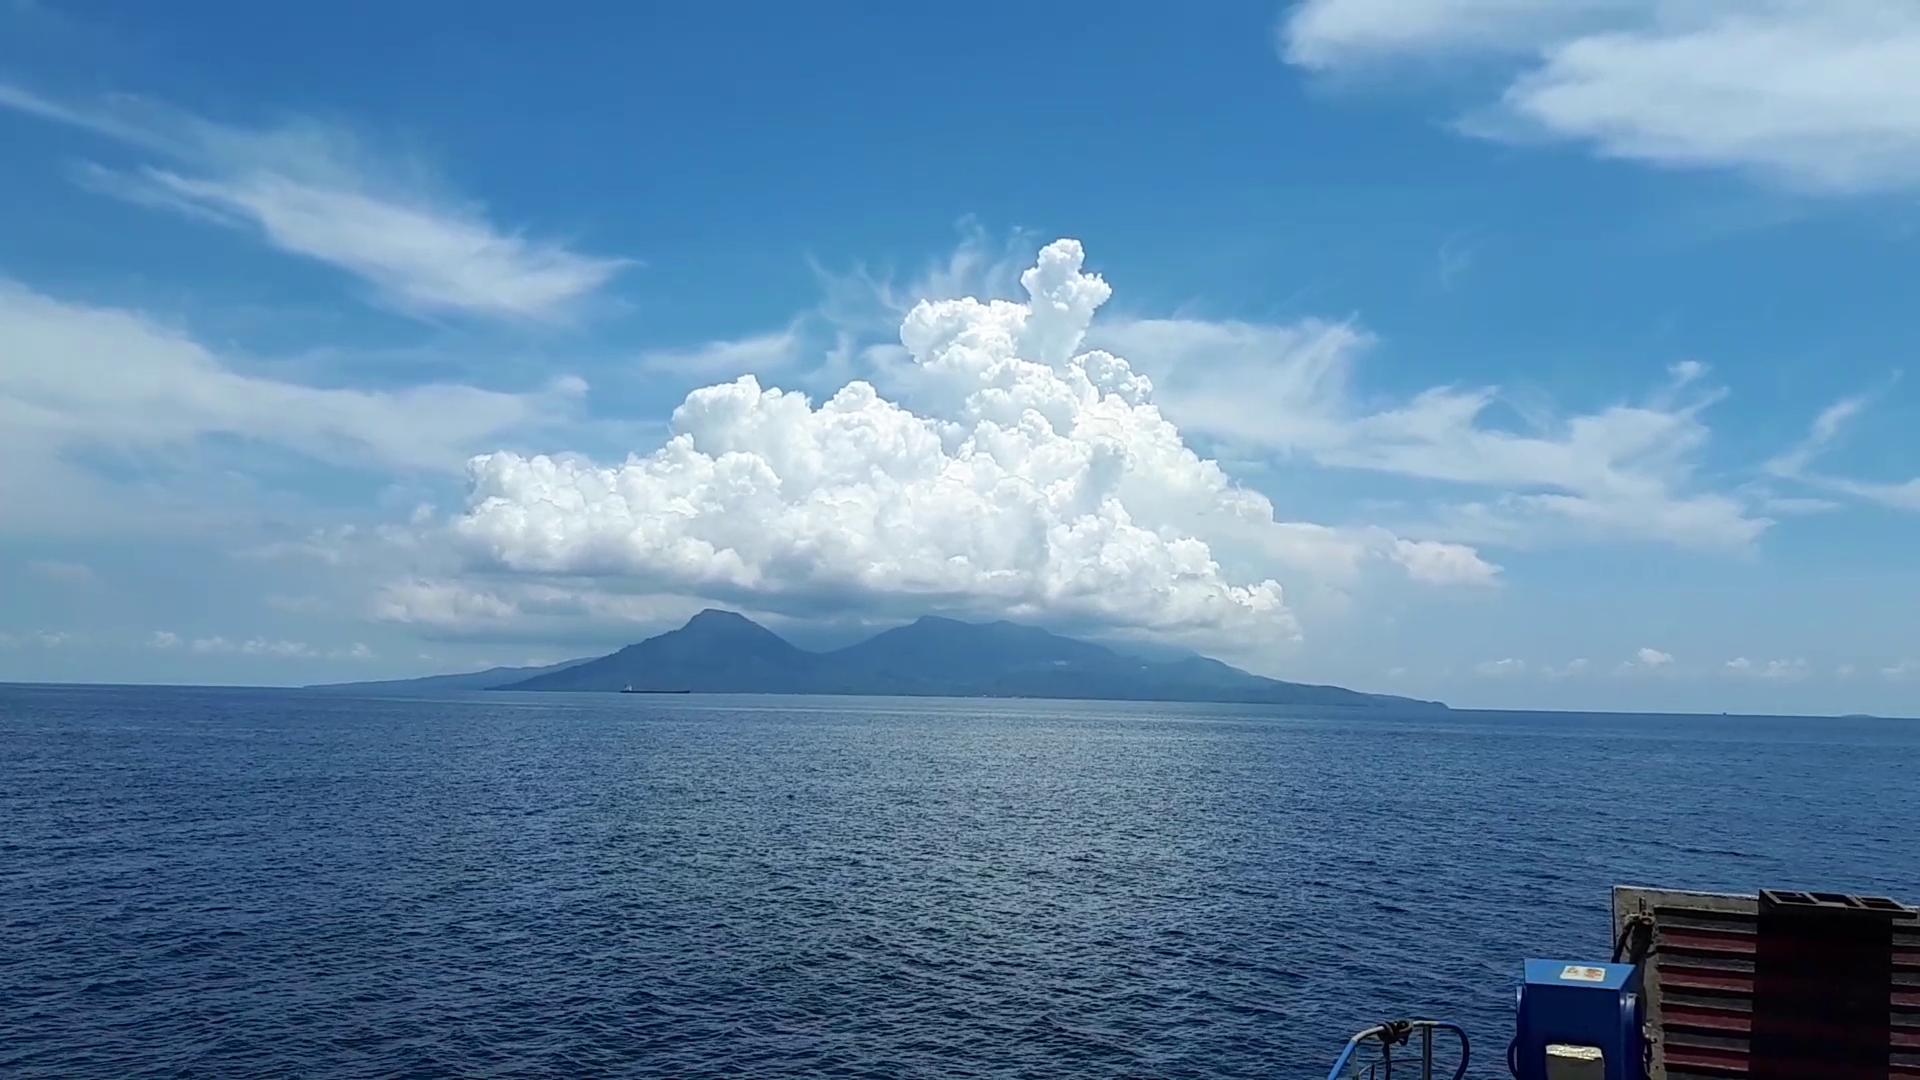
1516 353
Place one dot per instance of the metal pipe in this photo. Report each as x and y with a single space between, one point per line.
1382 1031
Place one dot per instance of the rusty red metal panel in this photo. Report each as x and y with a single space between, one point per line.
1701 953
1822 987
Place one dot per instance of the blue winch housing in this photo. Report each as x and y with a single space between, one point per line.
1582 1007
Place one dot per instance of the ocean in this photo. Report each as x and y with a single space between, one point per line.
253 883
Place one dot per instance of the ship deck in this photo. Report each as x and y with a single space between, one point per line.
1700 954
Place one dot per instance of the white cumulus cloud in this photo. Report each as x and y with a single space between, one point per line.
1572 669
1646 660
1437 563
1017 474
1772 670
1820 95
512 608
1629 469
440 604
285 650
268 648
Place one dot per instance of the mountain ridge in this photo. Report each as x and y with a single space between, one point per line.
720 651
486 679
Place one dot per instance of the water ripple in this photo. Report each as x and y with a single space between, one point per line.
248 883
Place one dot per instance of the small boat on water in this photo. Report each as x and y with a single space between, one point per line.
631 689
1779 985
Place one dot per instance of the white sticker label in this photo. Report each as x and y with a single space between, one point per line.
1575 973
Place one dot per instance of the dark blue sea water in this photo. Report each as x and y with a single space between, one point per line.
202 883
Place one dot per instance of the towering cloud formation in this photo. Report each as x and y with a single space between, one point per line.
1022 477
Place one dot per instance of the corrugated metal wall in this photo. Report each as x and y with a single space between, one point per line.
1700 952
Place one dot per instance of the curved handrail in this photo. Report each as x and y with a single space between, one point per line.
1398 1033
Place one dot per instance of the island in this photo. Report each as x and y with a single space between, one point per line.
723 652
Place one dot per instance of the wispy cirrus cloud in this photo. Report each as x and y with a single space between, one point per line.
73 374
1797 463
758 354
90 396
42 639
69 573
1821 96
313 190
1624 471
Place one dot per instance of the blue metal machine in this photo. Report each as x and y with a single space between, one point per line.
1568 1014
1574 1021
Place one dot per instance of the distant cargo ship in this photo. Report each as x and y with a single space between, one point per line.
634 690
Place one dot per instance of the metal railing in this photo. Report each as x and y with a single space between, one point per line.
1417 1037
